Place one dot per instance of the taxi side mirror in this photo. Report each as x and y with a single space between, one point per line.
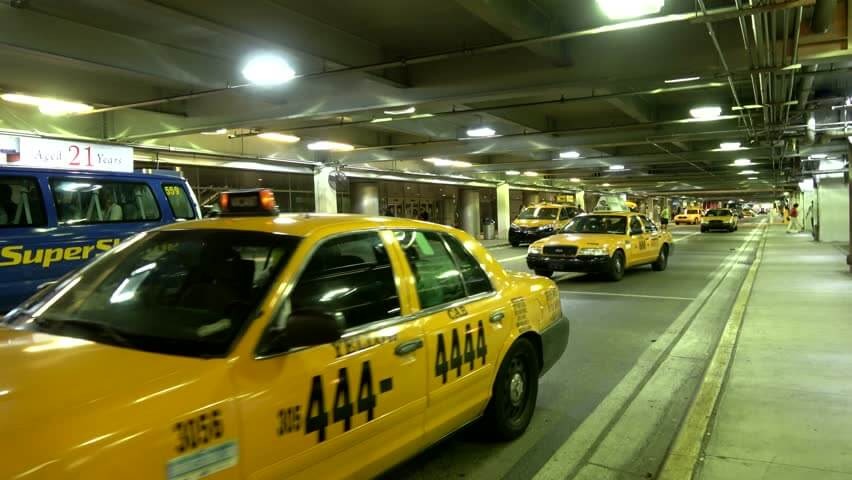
303 329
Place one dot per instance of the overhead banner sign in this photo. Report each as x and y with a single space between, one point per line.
40 152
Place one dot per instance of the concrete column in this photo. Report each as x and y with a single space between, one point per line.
580 199
531 197
504 212
470 219
325 197
849 175
364 198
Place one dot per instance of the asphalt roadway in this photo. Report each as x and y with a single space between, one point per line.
611 325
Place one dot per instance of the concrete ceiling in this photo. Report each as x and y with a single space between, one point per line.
600 91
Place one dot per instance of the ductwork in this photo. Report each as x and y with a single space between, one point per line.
806 85
823 16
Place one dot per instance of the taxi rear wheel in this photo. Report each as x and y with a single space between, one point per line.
616 267
662 260
514 393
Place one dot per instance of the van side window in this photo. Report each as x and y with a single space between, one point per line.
90 200
179 201
20 203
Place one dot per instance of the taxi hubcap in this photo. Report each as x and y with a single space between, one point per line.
516 388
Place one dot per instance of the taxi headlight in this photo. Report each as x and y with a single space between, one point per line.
534 250
545 228
592 252
514 226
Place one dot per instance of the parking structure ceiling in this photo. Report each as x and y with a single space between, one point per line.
549 76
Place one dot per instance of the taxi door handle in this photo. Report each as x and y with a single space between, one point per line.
405 348
497 317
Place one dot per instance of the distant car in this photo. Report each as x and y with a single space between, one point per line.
539 221
606 243
292 346
748 213
690 216
719 219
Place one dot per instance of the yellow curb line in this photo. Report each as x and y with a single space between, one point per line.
682 459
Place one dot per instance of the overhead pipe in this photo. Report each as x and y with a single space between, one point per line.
823 16
708 17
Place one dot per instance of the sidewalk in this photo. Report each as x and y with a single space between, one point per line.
785 410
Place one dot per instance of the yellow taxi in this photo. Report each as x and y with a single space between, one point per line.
269 347
720 219
691 216
539 221
602 242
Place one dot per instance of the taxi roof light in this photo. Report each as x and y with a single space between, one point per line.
250 202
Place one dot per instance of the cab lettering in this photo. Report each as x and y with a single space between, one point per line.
343 410
457 359
13 255
199 431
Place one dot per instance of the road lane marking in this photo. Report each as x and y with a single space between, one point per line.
686 236
632 295
512 258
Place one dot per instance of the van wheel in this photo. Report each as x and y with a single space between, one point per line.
514 393
544 273
662 260
616 267
514 244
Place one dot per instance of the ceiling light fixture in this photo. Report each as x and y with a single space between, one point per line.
751 106
621 9
752 178
570 154
278 137
576 180
268 70
616 168
444 162
729 146
48 106
818 156
742 162
749 172
403 111
330 146
682 80
381 120
530 174
512 173
480 132
706 113
220 131
606 185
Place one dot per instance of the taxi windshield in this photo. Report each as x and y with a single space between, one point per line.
719 212
608 224
538 213
180 292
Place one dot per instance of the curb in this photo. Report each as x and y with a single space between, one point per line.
684 456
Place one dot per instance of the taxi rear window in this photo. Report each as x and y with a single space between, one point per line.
187 292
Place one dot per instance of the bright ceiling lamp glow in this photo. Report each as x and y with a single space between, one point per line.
751 106
481 132
381 120
570 154
444 162
749 172
728 146
621 9
752 178
682 80
512 173
278 137
268 70
530 174
818 156
330 146
742 162
616 168
606 185
706 113
576 180
48 106
403 111
220 131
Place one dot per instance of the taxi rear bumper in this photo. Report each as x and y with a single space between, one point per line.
554 340
582 264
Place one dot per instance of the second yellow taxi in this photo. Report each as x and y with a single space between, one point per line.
604 243
293 346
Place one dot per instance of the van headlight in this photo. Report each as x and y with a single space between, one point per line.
534 250
592 252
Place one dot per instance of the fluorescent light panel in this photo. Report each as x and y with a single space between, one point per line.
570 154
730 146
682 80
401 111
622 9
445 162
48 106
330 146
279 137
481 132
705 113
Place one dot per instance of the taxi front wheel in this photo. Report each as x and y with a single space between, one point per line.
616 267
514 393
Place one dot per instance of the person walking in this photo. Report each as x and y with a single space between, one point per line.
665 215
794 226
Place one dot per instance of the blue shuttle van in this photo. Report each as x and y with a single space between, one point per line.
53 221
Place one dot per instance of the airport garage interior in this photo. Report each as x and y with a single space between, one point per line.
425 239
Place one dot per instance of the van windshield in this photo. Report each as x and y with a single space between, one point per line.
181 292
538 213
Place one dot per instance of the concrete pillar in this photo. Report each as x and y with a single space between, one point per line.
448 212
504 212
580 199
470 219
849 175
531 197
325 197
364 198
